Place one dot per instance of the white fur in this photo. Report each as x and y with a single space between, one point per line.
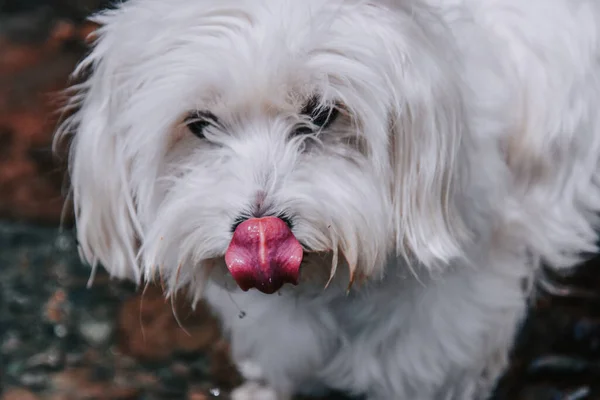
467 154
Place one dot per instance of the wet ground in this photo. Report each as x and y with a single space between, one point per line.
62 340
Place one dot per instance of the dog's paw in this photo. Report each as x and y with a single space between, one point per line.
255 391
250 370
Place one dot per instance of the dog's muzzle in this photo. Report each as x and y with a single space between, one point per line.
264 254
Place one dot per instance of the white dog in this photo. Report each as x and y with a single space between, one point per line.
268 154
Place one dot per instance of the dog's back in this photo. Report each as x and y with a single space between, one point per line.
547 56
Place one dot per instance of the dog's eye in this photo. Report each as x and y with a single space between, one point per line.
198 121
320 116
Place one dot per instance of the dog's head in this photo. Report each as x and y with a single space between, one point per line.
276 135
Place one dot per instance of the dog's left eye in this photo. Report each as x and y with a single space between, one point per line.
320 116
198 121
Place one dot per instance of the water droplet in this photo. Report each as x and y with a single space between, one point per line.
60 331
242 314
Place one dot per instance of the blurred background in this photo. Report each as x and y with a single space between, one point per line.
62 340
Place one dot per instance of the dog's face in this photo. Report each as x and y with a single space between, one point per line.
276 138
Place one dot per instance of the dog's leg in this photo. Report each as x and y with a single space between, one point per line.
278 342
255 387
253 390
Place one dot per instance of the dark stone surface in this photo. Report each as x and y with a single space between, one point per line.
61 340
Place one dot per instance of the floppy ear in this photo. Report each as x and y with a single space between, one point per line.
428 135
98 165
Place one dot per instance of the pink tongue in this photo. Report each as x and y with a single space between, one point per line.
264 254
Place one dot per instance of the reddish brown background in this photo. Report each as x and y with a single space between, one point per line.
40 43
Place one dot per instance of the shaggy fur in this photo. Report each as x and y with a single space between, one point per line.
465 154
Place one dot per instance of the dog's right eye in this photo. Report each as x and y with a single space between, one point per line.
198 121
